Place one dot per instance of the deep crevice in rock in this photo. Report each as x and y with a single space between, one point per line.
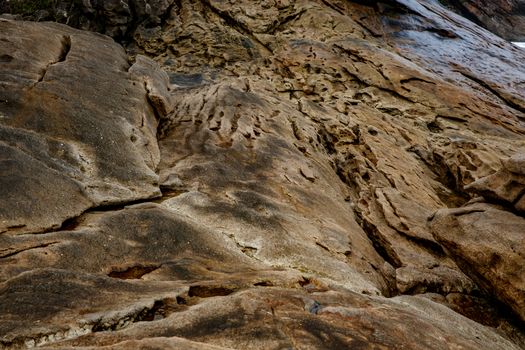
62 56
133 272
160 309
380 244
73 223
203 291
237 25
66 48
6 253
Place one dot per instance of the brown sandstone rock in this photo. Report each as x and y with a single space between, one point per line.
488 244
300 147
505 186
506 18
77 129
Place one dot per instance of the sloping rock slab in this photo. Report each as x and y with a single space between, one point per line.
506 18
488 244
127 243
278 318
506 185
48 305
76 128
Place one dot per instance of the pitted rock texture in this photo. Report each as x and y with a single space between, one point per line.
293 181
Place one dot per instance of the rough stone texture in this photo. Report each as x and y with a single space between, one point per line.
506 18
505 186
300 147
489 244
116 18
76 128
277 318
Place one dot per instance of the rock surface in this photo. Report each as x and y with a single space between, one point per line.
488 243
118 19
290 178
507 186
506 18
77 129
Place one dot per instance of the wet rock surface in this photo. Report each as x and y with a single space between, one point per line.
505 18
261 175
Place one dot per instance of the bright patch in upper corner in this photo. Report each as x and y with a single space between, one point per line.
520 44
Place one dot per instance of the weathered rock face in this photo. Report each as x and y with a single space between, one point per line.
116 18
77 129
507 186
506 18
488 243
274 186
487 240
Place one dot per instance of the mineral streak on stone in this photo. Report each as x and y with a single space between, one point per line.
260 175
